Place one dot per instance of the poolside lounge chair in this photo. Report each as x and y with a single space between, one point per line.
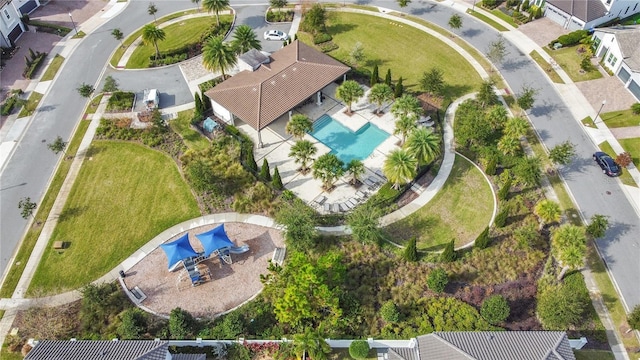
320 200
335 207
327 207
369 182
343 207
361 194
353 202
381 174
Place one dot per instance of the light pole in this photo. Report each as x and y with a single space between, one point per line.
74 24
473 8
599 110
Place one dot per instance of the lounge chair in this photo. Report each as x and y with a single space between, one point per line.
327 207
353 202
335 208
381 174
320 200
369 182
344 207
373 180
361 194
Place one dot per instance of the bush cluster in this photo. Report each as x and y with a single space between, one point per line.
33 62
42 26
570 39
279 16
359 349
120 101
322 38
11 103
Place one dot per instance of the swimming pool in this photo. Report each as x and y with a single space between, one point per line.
343 142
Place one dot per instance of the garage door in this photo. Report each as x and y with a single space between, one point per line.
555 15
15 34
624 75
635 89
28 7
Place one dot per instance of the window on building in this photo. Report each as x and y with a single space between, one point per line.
6 13
635 6
626 11
612 60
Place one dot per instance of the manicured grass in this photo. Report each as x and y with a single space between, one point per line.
31 105
460 211
177 35
182 125
93 105
123 197
588 121
504 17
6 355
626 178
551 72
569 59
487 20
593 355
384 42
632 146
41 215
343 354
622 118
53 68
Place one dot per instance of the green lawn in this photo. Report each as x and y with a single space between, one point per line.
385 43
633 147
93 104
626 178
593 355
588 121
622 118
122 198
551 72
31 105
177 35
504 17
182 125
569 59
461 210
53 68
487 20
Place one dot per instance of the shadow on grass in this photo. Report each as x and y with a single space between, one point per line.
373 62
456 91
70 213
340 28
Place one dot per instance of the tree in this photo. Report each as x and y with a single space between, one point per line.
635 109
215 6
408 106
58 145
278 3
85 90
298 221
110 84
181 324
276 182
328 168
265 172
495 309
298 126
349 91
399 89
356 169
357 54
26 207
374 77
509 145
623 159
437 280
198 113
424 145
528 171
250 161
387 78
562 153
411 251
197 2
379 94
516 127
526 98
302 152
449 253
486 95
483 240
151 34
547 211
359 349
634 318
497 117
562 306
455 22
399 167
217 55
311 342
569 246
152 10
432 81
314 21
389 312
501 218
245 39
118 35
364 224
133 324
497 51
503 193
598 226
404 126
403 3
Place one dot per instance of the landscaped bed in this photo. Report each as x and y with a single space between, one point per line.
569 60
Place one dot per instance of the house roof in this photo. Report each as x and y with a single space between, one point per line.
627 38
585 10
3 3
496 345
254 58
99 350
295 73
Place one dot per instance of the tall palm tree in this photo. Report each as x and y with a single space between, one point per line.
328 168
215 6
569 244
424 145
216 55
379 94
400 167
349 91
302 152
151 34
509 145
312 342
516 127
408 106
298 126
404 126
356 169
245 39
548 211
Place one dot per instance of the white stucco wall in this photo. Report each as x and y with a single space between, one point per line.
222 113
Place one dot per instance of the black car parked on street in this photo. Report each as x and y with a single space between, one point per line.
607 164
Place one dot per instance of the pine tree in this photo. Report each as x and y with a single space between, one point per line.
251 162
411 251
206 104
265 173
399 89
483 239
449 253
503 193
198 100
387 79
501 218
374 76
277 180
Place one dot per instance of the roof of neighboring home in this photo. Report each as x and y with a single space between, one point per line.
495 345
627 38
585 10
4 2
188 356
295 73
99 350
254 58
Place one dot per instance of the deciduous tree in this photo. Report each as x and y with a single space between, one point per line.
432 81
598 226
298 220
526 98
85 90
495 309
26 207
455 22
562 153
497 51
437 280
58 145
118 35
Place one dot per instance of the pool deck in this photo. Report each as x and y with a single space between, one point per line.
277 145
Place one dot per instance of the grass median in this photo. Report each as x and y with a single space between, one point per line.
551 72
32 103
626 177
53 68
487 20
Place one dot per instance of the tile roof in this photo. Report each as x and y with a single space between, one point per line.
627 38
99 350
188 356
496 345
295 73
253 58
585 10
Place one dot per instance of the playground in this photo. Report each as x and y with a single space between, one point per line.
223 285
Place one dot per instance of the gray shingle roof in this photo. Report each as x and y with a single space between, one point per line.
295 73
627 38
99 350
585 10
188 356
496 345
408 353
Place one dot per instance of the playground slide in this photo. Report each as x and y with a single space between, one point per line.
239 249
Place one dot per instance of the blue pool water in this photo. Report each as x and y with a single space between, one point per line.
343 142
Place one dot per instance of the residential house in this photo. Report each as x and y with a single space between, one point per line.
619 52
587 14
11 26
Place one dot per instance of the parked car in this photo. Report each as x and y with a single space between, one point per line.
607 164
275 35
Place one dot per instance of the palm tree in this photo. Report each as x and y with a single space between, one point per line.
215 6
356 169
424 145
516 127
151 34
399 168
569 247
379 94
455 22
152 10
548 211
298 126
216 55
509 145
408 106
404 126
302 152
349 91
328 168
245 39
312 342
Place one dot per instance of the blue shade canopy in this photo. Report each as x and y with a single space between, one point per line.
178 250
214 239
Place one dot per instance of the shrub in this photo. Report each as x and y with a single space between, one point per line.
182 325
110 84
279 16
585 64
120 101
635 109
623 159
33 62
276 182
503 193
328 46
389 312
490 169
265 172
133 325
359 349
321 38
634 318
495 309
399 89
411 251
501 217
572 38
563 306
483 239
250 161
375 77
437 280
449 253
11 103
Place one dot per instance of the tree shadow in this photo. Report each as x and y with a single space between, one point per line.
512 65
362 2
340 28
47 108
470 33
426 9
373 62
92 151
544 109
71 212
455 91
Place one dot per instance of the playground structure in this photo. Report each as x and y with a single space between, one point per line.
215 242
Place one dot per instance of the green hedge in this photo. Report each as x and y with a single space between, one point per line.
50 28
33 62
11 103
322 38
